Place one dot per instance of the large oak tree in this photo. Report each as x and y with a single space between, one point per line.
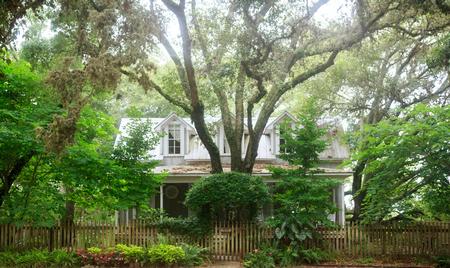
252 52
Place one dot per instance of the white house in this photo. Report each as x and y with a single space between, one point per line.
181 154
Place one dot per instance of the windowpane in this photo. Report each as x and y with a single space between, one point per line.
174 139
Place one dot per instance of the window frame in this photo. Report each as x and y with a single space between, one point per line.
172 127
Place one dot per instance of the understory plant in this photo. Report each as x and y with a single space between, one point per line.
303 198
160 254
194 255
39 258
259 259
227 196
166 254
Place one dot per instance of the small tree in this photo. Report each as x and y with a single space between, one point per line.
303 199
227 196
409 172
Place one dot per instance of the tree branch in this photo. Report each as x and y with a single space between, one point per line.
147 84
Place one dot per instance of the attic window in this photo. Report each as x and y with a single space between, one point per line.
282 141
174 140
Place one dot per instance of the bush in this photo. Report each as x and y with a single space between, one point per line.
191 227
94 257
94 250
61 258
39 258
259 259
131 253
34 258
194 256
227 196
8 259
166 254
443 261
312 256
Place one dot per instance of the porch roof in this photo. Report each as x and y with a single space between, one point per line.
203 169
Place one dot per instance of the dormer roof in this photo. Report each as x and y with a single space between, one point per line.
174 117
271 125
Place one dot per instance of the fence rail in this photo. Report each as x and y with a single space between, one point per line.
231 241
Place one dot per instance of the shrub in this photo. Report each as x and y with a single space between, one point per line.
443 261
194 255
8 259
259 259
166 254
191 227
312 256
227 196
61 258
94 250
34 258
131 253
109 258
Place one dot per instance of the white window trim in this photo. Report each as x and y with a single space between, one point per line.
166 139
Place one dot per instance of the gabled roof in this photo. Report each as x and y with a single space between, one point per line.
278 119
171 117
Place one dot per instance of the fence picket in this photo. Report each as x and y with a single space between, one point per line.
232 240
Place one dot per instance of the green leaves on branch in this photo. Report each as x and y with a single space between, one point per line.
233 196
409 166
303 199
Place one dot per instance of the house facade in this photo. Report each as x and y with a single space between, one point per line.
182 155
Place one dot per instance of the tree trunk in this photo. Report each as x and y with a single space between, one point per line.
236 155
9 177
357 183
198 118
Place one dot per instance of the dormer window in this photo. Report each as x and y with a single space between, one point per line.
282 142
174 138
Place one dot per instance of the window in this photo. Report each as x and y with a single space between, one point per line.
281 140
174 138
226 146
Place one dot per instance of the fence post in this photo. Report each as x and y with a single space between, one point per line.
383 240
51 238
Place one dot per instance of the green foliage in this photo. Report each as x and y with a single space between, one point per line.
191 227
26 108
259 259
440 55
94 250
303 199
227 196
25 105
194 255
304 202
7 258
122 180
166 254
132 253
62 258
409 166
39 258
303 141
312 256
442 261
36 258
366 260
268 256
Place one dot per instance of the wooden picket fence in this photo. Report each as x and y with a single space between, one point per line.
231 241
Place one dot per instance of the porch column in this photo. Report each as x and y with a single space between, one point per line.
161 199
340 214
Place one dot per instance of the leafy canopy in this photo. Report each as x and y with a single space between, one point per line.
227 196
410 168
303 199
